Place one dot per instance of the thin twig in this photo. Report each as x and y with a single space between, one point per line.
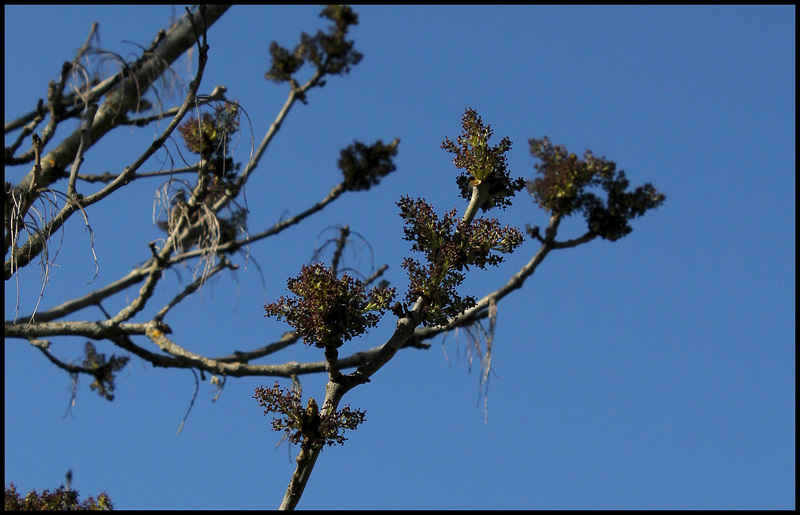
148 68
86 141
86 44
344 232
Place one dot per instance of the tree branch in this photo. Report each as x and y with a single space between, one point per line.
123 98
338 384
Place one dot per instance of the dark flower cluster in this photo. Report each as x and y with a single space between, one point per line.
59 500
102 370
306 425
485 236
561 189
363 166
327 311
211 133
199 135
331 53
449 247
284 62
437 284
482 163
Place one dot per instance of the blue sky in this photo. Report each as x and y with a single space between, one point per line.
654 372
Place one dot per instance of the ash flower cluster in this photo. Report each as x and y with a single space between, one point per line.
211 133
449 247
561 189
327 311
483 164
306 424
364 166
103 370
331 53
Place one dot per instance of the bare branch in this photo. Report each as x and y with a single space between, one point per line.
193 287
86 130
110 115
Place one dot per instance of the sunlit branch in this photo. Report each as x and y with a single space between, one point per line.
106 119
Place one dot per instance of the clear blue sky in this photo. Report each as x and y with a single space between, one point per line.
654 372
